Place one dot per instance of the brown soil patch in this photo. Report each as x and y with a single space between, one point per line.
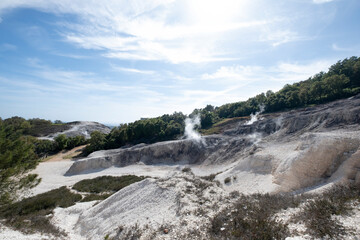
66 155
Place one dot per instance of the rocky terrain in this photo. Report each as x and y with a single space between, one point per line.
79 128
297 149
192 180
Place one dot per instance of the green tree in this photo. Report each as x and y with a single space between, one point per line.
207 119
335 85
97 142
61 141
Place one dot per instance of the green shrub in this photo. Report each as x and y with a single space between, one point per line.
186 170
93 197
251 217
30 214
106 183
210 177
227 180
317 218
29 181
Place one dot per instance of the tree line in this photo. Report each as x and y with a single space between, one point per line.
166 127
342 80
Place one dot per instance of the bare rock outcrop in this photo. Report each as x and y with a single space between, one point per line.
294 150
80 128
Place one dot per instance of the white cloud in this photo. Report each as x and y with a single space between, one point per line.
59 80
133 70
281 72
335 47
280 37
164 30
69 55
322 1
293 72
235 73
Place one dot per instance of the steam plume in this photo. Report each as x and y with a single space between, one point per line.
254 117
190 124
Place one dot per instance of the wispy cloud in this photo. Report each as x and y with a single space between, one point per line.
281 72
69 55
148 30
80 82
133 70
236 74
157 56
7 47
279 37
322 1
335 47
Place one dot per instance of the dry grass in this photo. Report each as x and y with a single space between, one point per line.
252 217
222 125
317 213
65 154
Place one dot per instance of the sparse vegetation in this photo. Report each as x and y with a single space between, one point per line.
317 213
40 127
30 214
106 184
210 177
133 233
251 217
254 216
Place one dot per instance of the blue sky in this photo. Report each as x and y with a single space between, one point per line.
116 61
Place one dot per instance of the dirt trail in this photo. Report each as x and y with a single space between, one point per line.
66 155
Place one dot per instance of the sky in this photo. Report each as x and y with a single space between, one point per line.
117 61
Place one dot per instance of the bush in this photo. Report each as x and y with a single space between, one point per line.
31 213
251 217
227 180
62 141
317 217
106 183
317 213
93 197
45 147
210 177
186 170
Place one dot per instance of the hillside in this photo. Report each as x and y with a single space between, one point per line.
290 170
342 80
281 146
73 129
193 185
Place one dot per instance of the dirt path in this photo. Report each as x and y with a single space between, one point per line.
66 155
